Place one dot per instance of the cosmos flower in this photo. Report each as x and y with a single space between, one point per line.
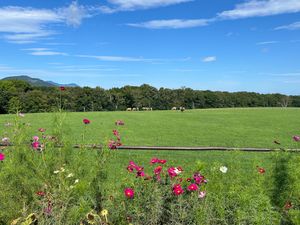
129 192
192 187
86 121
223 169
2 156
202 194
296 138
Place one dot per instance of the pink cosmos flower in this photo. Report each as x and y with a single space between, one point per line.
154 160
158 170
162 161
35 145
35 138
2 156
171 172
192 187
86 121
129 192
140 174
296 138
199 179
177 189
202 194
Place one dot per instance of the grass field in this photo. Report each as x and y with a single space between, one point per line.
254 127
242 196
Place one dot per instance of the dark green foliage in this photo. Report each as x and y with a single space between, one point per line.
19 95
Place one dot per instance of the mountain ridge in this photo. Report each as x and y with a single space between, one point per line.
38 82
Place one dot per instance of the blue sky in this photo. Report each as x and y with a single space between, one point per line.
249 45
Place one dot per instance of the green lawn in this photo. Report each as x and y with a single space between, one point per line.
251 127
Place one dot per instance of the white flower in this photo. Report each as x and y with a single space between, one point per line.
56 171
70 175
62 169
21 115
223 169
202 194
5 139
76 181
71 187
177 171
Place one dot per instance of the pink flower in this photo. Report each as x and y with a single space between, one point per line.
162 161
130 169
158 170
116 133
35 145
2 156
140 174
129 192
35 138
202 194
62 88
199 179
171 172
42 130
86 121
296 138
177 189
192 187
112 144
119 123
154 160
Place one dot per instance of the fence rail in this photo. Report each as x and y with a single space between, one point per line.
172 148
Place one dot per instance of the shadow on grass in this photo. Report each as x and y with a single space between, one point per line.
281 179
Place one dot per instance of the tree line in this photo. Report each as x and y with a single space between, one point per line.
16 95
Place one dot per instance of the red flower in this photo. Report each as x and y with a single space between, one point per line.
188 179
288 205
62 88
129 192
157 170
192 187
40 193
119 123
2 156
177 189
86 121
261 170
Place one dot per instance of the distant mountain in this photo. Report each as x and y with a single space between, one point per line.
39 82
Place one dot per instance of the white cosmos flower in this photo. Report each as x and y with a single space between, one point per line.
56 171
223 169
76 181
70 175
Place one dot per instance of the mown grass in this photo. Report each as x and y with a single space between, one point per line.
251 127
241 196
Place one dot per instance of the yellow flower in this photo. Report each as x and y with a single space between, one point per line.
104 212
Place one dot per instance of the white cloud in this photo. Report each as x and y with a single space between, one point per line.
43 52
129 5
257 8
115 58
209 59
27 25
267 42
293 26
171 24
